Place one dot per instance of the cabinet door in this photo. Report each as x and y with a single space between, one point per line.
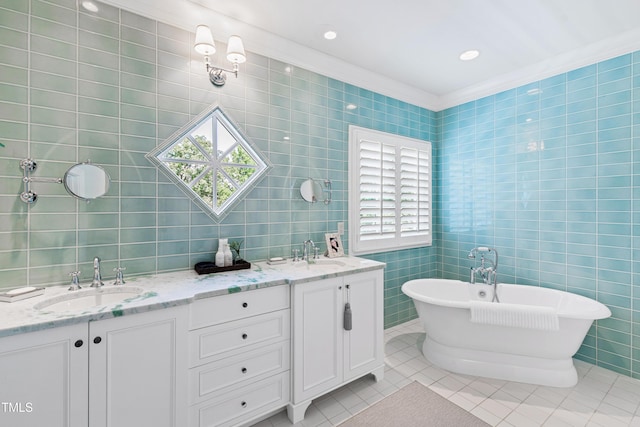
138 370
44 377
317 338
364 347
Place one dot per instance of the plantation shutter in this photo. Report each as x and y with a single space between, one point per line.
415 205
377 189
389 191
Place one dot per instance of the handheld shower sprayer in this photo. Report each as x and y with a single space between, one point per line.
479 249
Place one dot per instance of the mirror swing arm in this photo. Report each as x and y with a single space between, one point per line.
29 196
28 166
312 191
327 184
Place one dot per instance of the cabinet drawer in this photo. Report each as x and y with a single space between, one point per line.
207 380
215 310
242 404
228 339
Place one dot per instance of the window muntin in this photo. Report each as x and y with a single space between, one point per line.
212 161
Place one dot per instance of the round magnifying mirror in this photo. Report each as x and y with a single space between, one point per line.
311 191
86 181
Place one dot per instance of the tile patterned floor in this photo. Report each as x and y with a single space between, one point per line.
601 398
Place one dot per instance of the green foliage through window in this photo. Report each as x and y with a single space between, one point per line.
213 160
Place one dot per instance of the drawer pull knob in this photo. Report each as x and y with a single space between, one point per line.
78 343
243 404
97 340
244 336
245 305
244 370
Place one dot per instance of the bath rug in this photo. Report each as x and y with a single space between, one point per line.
414 406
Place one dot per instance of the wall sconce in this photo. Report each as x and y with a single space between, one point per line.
205 45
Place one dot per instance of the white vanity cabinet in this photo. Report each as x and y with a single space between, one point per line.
137 366
239 357
223 358
325 355
122 372
43 378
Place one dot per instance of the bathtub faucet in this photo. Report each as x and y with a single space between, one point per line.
488 270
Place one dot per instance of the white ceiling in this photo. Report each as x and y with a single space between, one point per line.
409 49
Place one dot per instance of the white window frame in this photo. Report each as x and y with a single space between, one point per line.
214 160
395 169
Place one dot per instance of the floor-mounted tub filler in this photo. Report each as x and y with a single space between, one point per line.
529 336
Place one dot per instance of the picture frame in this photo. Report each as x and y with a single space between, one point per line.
334 245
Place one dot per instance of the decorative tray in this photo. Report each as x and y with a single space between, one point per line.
207 267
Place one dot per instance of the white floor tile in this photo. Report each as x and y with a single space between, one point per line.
518 390
348 399
483 388
360 407
557 421
472 395
435 373
330 407
486 416
601 398
462 401
340 418
622 404
533 412
519 420
447 386
495 407
571 417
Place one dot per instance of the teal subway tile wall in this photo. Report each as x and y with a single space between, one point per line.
547 173
110 87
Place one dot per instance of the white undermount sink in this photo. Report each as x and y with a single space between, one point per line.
319 263
88 298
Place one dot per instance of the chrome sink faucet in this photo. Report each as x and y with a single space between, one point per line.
97 278
75 281
306 250
119 276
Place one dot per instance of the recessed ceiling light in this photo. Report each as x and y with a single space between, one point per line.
90 6
468 55
351 106
330 35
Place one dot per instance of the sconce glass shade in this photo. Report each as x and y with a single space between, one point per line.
235 50
204 44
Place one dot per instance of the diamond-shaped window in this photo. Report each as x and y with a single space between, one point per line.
212 161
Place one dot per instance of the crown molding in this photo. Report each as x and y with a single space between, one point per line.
603 50
186 14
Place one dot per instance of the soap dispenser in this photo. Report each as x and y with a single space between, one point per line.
220 254
228 256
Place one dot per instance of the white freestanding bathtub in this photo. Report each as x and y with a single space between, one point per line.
529 336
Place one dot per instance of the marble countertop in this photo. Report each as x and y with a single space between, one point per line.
170 290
